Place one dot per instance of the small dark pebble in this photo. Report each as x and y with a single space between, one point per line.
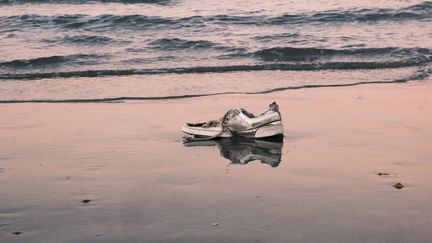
398 186
86 201
17 233
383 174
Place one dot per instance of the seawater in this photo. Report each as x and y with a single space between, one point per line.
72 51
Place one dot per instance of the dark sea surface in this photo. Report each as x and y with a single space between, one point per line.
65 50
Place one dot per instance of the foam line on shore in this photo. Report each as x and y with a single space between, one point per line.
420 75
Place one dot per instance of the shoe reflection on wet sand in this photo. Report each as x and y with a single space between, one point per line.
244 150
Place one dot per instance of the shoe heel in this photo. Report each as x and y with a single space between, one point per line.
269 131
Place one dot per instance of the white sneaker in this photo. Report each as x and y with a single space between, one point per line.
239 122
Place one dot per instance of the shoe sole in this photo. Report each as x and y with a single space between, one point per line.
269 130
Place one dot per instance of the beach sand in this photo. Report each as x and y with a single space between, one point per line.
144 185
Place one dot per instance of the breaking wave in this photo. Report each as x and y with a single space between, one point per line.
212 69
277 58
409 55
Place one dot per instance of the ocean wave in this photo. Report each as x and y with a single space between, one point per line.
180 44
81 21
403 55
173 44
283 36
49 61
421 11
214 69
82 40
276 58
421 74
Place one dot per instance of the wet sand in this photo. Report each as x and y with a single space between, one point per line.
144 185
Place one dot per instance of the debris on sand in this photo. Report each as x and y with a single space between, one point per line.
398 186
17 233
86 201
383 173
215 224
